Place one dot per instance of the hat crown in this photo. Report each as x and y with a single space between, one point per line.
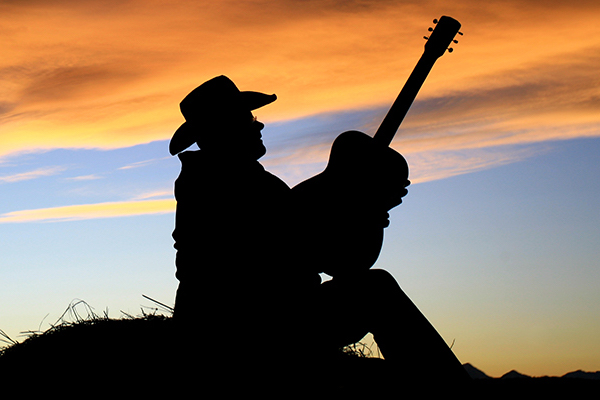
212 96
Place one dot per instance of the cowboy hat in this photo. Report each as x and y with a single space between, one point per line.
217 96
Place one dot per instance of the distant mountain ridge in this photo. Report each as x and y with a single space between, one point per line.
583 375
476 373
514 375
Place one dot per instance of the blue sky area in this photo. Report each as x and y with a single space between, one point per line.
512 247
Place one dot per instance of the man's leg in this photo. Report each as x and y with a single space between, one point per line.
374 302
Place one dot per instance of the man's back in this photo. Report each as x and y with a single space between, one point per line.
228 225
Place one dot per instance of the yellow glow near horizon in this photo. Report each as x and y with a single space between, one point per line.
91 211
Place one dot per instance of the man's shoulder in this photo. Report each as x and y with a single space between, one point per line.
196 163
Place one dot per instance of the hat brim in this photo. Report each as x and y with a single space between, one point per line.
254 100
183 138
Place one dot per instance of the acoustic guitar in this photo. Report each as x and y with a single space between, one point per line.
342 211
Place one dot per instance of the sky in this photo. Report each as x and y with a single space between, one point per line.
497 242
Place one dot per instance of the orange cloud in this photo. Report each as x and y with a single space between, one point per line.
76 74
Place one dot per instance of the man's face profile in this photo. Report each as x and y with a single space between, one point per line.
250 138
239 135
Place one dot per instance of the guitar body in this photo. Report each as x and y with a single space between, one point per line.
341 213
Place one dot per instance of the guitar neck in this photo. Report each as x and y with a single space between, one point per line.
437 43
399 109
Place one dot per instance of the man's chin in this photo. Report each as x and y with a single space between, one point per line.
260 151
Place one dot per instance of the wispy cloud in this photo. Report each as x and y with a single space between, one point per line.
435 165
90 211
84 178
151 195
142 163
37 173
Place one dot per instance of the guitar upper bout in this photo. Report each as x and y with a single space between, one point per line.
366 170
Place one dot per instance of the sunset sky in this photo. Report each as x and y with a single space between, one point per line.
497 242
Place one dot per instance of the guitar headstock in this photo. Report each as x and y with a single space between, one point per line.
442 36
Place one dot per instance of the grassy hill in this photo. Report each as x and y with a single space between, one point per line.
147 356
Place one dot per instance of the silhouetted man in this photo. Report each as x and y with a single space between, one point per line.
228 217
249 251
229 208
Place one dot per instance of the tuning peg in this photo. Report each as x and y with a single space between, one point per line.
426 37
460 33
430 29
455 41
450 50
435 21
